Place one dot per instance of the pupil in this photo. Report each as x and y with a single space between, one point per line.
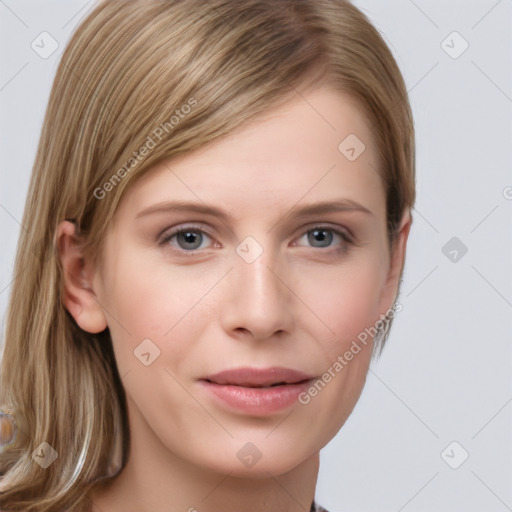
320 238
190 239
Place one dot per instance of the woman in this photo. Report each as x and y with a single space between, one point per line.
218 218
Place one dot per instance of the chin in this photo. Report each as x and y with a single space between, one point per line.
260 459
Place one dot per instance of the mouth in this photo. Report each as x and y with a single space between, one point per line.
258 378
254 391
255 386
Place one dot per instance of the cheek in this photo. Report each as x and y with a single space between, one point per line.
153 301
347 301
346 298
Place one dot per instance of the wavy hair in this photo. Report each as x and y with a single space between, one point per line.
129 71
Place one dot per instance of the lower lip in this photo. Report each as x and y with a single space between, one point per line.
258 401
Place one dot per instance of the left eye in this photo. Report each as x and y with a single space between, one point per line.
323 237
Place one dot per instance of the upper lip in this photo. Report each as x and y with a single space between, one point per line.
258 377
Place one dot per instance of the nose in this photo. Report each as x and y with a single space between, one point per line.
258 301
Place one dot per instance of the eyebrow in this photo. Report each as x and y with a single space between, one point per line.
323 207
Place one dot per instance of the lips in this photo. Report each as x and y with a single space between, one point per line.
254 391
258 378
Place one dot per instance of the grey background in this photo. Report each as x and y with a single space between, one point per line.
445 374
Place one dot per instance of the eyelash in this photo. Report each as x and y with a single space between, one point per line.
346 240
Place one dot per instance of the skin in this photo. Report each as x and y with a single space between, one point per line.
300 305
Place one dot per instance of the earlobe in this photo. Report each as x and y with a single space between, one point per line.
77 294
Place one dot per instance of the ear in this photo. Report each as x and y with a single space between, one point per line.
396 265
77 294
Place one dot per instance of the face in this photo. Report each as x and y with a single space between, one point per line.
235 281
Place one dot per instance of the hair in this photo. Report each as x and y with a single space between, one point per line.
137 84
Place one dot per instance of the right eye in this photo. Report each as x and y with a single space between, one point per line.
187 239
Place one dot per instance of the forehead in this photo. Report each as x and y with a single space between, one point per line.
317 146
